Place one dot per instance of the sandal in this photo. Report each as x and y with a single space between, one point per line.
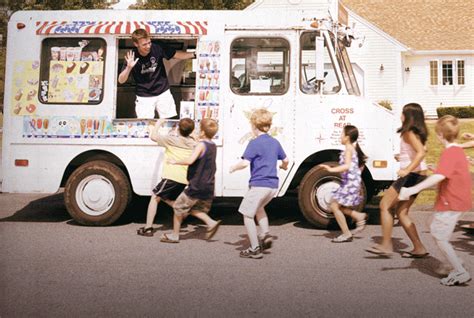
360 225
342 239
146 231
377 251
166 239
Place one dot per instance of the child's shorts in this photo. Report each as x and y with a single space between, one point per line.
443 224
185 204
168 189
407 181
255 199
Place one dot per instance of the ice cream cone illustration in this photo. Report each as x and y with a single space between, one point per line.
102 126
31 94
45 125
83 126
89 126
18 94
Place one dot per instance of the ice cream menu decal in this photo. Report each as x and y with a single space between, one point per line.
25 83
208 84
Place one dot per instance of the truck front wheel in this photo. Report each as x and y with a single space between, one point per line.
97 193
315 192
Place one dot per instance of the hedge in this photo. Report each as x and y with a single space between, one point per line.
459 112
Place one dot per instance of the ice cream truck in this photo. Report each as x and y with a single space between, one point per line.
69 124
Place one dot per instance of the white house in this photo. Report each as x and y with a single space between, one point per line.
413 51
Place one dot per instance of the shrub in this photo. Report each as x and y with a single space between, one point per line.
459 112
386 103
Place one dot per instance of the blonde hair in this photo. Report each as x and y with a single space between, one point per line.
262 119
210 127
139 34
448 127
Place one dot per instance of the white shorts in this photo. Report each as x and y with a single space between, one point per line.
443 224
163 103
255 199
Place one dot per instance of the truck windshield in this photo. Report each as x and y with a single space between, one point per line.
346 69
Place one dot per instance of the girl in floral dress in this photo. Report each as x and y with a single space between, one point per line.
351 161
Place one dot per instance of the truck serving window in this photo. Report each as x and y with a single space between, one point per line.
260 66
72 71
308 85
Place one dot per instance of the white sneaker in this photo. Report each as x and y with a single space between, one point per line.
456 278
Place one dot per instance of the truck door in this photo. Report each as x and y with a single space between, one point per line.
260 76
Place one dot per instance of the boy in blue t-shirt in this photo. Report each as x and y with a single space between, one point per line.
262 154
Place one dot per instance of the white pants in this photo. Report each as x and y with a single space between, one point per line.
442 227
163 103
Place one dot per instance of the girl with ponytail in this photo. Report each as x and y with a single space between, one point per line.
351 163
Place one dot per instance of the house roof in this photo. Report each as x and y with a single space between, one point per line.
421 24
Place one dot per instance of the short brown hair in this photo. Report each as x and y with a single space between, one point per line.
448 127
186 127
210 127
139 34
262 119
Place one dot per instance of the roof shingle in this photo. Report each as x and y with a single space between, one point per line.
421 24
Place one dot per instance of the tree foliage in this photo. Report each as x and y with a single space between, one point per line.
194 4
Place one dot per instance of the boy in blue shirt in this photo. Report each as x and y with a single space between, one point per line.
262 154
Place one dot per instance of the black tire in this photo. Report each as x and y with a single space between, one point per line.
320 182
97 193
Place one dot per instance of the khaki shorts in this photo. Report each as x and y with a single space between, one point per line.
185 204
255 199
443 224
163 103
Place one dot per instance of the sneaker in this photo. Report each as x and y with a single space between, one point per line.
266 241
250 253
456 278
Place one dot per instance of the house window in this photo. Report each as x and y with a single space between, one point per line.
434 72
447 72
460 69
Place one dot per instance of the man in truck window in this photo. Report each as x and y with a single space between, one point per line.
145 63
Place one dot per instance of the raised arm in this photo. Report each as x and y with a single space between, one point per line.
181 55
198 151
242 164
406 193
155 132
131 62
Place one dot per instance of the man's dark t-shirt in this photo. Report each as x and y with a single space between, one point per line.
149 73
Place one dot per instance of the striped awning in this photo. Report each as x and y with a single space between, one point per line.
120 27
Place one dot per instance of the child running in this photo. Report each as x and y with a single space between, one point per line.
196 199
454 195
262 154
413 136
173 179
351 161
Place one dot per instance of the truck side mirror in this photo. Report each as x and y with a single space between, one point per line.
319 43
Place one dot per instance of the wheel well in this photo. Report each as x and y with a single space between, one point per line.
311 161
325 156
92 155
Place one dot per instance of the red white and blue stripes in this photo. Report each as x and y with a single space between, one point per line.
120 27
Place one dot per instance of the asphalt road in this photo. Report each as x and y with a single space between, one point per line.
52 267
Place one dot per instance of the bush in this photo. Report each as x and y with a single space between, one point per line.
459 112
386 103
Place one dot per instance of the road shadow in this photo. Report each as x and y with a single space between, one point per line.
46 209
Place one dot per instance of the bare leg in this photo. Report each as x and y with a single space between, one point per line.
262 220
389 199
341 219
355 215
177 220
151 211
251 228
204 217
409 226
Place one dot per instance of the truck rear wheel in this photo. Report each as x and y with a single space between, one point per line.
314 195
97 193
